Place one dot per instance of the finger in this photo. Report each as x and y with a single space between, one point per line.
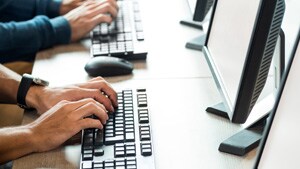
97 9
105 87
90 123
106 8
71 106
99 97
105 100
92 108
100 84
111 93
101 18
96 79
111 2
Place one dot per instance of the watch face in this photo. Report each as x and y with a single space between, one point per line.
40 82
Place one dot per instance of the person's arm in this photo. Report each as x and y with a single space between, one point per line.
20 10
43 98
21 39
9 84
51 129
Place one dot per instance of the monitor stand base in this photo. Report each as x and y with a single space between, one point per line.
218 109
245 140
191 23
196 43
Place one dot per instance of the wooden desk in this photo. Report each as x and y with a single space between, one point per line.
179 87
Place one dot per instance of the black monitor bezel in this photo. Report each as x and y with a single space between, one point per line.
258 42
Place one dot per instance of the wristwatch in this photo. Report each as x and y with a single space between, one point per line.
26 81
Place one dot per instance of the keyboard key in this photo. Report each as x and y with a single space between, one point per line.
113 140
98 137
87 165
98 165
120 162
98 152
88 157
146 149
140 36
120 167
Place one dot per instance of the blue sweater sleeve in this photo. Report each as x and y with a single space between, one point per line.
22 10
21 40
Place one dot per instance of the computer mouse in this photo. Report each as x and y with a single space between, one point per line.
108 66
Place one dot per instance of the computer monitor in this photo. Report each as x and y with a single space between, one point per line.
279 146
200 10
239 49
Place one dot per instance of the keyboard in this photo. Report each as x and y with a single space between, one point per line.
124 37
125 142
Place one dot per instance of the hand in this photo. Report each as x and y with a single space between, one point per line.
68 5
43 98
63 121
88 15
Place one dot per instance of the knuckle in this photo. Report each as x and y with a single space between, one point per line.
99 78
90 100
64 102
91 105
66 107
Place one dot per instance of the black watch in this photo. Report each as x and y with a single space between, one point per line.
26 81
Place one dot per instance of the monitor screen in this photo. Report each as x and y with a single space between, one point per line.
239 49
228 43
279 147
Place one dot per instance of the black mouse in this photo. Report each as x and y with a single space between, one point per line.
108 66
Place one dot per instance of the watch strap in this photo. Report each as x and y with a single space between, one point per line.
24 86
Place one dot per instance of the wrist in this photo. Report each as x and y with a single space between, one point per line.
32 98
34 140
28 91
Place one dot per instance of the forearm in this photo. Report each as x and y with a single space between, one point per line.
15 142
9 84
21 40
20 10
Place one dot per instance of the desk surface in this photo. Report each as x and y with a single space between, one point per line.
179 86
184 135
167 56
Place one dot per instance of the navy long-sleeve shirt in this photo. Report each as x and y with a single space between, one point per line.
26 26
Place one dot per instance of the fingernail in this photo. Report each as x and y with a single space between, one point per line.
112 108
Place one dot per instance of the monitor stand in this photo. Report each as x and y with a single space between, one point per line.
246 140
198 42
191 23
